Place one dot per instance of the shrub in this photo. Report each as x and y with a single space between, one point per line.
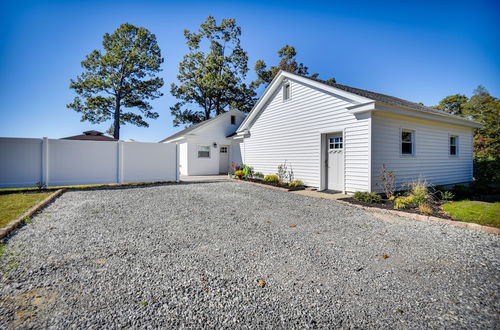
258 175
446 195
271 178
296 183
247 172
239 174
282 172
461 191
487 170
41 185
367 197
404 202
388 179
425 208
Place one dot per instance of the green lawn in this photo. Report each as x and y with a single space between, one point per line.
13 205
482 213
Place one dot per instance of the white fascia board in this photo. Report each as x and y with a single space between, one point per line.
361 108
275 83
431 116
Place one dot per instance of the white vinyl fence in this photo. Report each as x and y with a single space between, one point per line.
24 162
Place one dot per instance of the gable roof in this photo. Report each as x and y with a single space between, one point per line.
364 99
196 126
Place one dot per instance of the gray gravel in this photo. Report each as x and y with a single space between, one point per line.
192 256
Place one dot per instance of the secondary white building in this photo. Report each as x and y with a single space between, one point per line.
337 137
207 148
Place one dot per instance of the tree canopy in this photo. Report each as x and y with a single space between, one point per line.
287 62
484 108
123 76
212 74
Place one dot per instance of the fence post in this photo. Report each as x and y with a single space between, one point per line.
45 161
177 163
120 161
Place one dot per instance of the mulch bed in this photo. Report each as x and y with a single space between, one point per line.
274 184
389 205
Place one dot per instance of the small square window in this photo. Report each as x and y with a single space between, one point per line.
203 151
453 145
335 143
233 120
223 150
286 91
407 142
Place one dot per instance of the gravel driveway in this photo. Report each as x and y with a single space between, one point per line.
193 256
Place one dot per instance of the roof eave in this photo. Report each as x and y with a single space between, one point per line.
380 106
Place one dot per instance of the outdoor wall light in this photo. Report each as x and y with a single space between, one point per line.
215 145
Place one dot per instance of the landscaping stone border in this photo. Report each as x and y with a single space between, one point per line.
420 217
19 220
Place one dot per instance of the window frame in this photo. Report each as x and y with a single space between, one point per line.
450 136
286 85
198 151
413 142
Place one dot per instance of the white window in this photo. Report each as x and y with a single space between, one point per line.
286 91
407 142
233 120
223 150
336 143
453 145
203 151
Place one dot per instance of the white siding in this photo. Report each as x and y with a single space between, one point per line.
431 160
290 131
214 132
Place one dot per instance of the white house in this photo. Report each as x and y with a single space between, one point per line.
207 148
337 137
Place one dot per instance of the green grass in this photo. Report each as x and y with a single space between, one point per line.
13 205
88 186
482 213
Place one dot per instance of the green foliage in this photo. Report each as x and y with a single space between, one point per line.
446 195
240 174
388 179
211 76
258 175
272 178
247 172
367 197
461 191
287 63
487 170
483 213
453 104
483 108
123 76
296 183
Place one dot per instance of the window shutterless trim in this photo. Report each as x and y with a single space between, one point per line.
412 142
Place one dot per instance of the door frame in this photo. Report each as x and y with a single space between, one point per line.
323 171
228 146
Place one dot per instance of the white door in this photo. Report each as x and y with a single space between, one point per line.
223 159
335 161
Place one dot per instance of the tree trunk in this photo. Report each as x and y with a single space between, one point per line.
116 133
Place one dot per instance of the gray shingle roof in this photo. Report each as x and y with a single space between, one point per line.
391 100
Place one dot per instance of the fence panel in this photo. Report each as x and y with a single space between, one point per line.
24 162
20 162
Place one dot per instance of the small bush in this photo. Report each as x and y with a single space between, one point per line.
425 208
41 185
388 179
367 197
247 172
239 174
296 183
404 202
446 195
258 175
271 178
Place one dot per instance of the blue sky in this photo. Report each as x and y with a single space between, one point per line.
420 52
